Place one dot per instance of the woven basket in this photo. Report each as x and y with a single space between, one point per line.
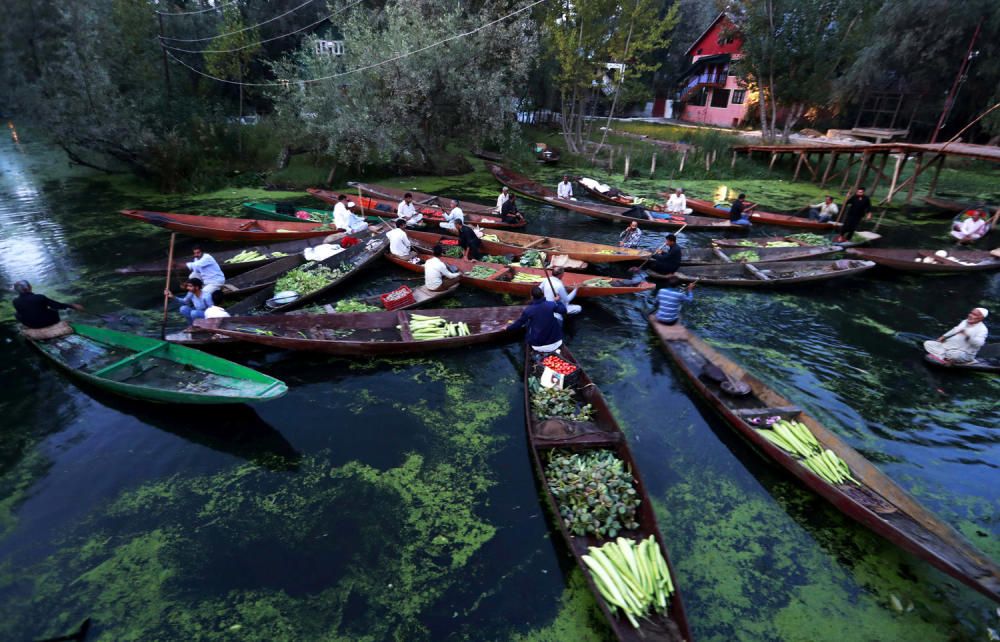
55 331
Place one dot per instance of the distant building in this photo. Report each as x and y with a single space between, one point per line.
710 91
329 47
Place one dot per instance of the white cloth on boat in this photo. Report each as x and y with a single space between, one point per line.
215 312
321 252
595 185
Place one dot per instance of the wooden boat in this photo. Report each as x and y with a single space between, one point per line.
443 203
517 244
521 183
386 210
875 502
224 228
619 215
287 212
860 238
603 433
363 333
154 370
500 280
759 216
260 278
717 255
988 360
916 260
764 275
950 205
546 154
612 196
495 157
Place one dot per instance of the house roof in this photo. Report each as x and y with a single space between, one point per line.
705 32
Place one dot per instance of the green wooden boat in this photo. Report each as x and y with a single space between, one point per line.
154 370
287 212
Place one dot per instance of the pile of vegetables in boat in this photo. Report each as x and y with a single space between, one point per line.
532 258
353 305
809 238
310 277
747 256
248 256
795 438
427 328
595 493
557 402
480 272
631 577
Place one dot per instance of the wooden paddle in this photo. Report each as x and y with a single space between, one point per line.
664 244
166 299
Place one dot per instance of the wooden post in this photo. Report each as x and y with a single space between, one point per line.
937 172
708 161
895 176
829 167
879 175
913 179
611 159
684 155
733 164
798 166
628 161
847 170
652 166
774 157
163 50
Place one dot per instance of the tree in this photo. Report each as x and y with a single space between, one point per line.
407 110
233 50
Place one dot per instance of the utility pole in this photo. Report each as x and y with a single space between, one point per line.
163 50
959 79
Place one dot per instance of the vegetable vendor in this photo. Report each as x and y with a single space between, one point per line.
399 242
553 286
194 302
545 332
502 198
206 268
961 344
344 218
509 212
456 214
677 203
670 299
437 276
564 189
737 212
971 229
468 241
408 211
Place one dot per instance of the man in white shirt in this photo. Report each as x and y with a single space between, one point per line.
399 242
825 211
205 267
504 196
456 214
437 276
565 189
971 229
961 343
346 220
408 211
553 285
677 203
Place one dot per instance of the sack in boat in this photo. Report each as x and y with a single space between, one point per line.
636 212
54 331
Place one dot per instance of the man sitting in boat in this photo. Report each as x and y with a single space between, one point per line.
961 344
737 212
194 302
677 203
565 189
205 267
345 219
408 211
399 242
509 212
502 198
667 263
545 329
456 214
437 276
824 212
553 288
970 229
39 315
630 236
670 299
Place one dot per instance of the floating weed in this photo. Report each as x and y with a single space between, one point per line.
579 618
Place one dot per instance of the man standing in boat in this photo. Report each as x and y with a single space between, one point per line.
502 198
205 267
565 189
39 312
961 344
408 211
856 208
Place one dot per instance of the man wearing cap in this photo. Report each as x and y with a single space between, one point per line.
35 311
555 290
408 211
502 198
565 189
344 219
961 344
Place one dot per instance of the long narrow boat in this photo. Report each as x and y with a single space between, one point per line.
717 255
913 260
875 501
421 199
521 183
860 238
363 333
602 433
286 212
624 216
516 244
612 196
765 275
501 278
224 228
988 360
950 205
262 277
432 215
154 370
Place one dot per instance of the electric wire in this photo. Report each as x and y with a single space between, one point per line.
232 33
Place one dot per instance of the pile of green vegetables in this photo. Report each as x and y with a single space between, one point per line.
353 305
454 252
595 493
248 256
427 328
532 258
310 277
480 272
490 258
491 237
557 402
796 439
809 238
597 283
524 277
632 577
746 256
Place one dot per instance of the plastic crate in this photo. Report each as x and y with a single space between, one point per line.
449 241
398 298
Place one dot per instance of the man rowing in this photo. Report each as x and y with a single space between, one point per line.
961 344
667 263
555 290
670 299
545 328
37 311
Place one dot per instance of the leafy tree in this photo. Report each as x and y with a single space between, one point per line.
233 50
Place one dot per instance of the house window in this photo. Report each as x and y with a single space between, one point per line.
329 48
698 99
720 98
739 95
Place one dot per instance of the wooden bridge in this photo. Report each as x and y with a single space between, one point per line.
872 158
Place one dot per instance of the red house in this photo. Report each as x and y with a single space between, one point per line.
710 92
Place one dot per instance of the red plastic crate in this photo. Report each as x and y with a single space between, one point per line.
401 296
449 241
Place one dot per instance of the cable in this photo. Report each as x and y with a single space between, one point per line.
260 42
191 13
231 33
358 69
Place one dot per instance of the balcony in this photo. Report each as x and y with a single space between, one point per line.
708 79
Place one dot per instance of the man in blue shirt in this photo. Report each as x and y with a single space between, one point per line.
205 268
670 299
545 331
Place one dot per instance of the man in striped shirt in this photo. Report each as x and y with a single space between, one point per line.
670 299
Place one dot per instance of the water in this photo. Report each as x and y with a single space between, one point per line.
393 499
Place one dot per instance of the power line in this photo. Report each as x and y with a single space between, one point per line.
191 13
260 42
365 67
231 33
